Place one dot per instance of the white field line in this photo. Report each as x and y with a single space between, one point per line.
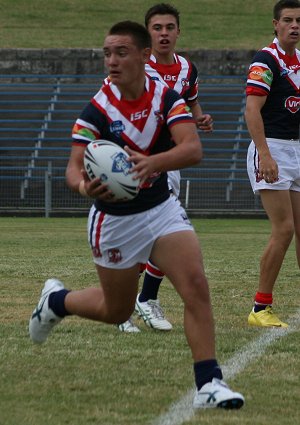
182 411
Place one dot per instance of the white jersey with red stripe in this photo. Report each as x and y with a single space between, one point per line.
142 124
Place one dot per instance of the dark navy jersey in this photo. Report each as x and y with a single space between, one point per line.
276 75
143 125
181 76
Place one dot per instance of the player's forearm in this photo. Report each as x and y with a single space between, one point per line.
257 132
181 156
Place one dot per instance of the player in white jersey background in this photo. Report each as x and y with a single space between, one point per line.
273 119
163 23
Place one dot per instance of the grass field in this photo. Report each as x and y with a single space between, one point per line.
91 374
205 24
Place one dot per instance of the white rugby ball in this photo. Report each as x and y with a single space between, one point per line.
108 161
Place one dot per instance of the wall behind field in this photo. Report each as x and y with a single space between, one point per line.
90 61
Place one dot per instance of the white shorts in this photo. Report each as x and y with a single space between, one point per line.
287 155
174 182
120 242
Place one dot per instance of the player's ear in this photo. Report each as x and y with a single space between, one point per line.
146 54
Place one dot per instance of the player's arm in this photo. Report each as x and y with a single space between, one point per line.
186 152
268 168
203 121
77 178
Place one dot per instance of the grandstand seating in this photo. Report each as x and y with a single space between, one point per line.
37 113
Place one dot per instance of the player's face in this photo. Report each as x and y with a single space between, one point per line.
164 32
124 61
288 27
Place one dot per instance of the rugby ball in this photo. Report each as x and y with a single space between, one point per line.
108 161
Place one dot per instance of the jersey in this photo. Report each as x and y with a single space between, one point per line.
142 124
276 75
181 76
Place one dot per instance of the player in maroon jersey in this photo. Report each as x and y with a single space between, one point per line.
273 119
142 115
175 71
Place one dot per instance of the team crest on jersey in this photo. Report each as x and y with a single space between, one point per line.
284 72
120 164
185 82
117 128
114 255
159 117
292 103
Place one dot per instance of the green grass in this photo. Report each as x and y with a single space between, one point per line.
205 24
91 374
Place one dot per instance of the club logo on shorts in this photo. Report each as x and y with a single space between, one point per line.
114 255
292 103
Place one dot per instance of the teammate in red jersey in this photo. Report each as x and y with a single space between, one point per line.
153 225
163 23
273 118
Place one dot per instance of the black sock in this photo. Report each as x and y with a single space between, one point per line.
57 302
259 307
205 371
150 288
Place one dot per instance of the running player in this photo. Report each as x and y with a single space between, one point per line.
273 118
142 116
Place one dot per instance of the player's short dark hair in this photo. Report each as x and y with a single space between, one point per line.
138 32
284 4
161 9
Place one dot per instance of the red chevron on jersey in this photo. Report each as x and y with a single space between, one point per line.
178 76
140 120
289 65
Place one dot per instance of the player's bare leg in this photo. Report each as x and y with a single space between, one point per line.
295 199
113 302
188 277
190 282
278 207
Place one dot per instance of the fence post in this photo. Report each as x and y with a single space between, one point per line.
48 190
187 194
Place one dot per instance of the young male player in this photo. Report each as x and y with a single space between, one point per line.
273 119
175 71
153 225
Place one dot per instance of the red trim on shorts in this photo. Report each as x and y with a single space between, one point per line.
98 231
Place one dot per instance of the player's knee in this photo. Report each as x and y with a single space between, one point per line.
197 291
284 233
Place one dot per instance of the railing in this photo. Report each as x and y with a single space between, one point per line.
36 117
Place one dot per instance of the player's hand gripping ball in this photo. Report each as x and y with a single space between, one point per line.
108 161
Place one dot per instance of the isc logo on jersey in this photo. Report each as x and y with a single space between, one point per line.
139 115
170 78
